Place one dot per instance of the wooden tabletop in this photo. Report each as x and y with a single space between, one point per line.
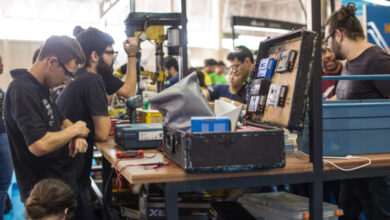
173 173
295 163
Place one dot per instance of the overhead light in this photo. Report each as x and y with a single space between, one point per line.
263 25
267 25
379 2
262 29
251 42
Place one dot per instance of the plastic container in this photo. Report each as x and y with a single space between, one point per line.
210 124
149 116
284 206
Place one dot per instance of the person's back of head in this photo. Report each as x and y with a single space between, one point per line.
62 47
93 39
48 198
240 53
210 62
221 64
220 68
344 19
201 79
170 62
77 30
209 66
200 76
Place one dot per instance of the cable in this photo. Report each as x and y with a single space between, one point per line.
348 157
107 183
154 155
118 171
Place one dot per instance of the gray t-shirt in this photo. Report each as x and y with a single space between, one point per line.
372 61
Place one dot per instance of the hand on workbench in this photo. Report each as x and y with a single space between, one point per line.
81 129
131 46
77 145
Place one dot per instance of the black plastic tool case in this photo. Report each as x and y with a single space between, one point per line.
252 149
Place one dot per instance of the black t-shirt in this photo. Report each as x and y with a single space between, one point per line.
112 83
81 99
29 114
372 61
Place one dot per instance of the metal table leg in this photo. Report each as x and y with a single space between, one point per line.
171 195
107 188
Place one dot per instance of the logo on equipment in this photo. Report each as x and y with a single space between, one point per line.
49 111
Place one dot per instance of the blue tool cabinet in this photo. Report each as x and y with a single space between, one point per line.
354 126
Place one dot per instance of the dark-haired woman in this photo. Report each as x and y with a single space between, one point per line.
50 199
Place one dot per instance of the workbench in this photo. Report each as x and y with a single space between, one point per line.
298 169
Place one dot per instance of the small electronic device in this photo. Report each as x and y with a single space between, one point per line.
138 136
253 103
255 87
266 67
282 96
286 61
210 124
260 86
277 95
273 95
130 154
259 91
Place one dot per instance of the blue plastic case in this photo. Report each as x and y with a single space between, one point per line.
210 124
266 68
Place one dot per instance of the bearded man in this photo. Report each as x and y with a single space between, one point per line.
85 99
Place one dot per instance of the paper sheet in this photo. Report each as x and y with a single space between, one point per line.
226 109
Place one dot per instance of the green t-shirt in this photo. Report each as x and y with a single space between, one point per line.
218 79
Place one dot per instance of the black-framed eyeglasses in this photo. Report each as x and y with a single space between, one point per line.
233 69
68 74
111 52
325 41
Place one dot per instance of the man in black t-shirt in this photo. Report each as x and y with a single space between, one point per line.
112 83
38 134
345 37
85 99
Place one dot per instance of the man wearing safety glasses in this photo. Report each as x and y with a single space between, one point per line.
241 64
41 140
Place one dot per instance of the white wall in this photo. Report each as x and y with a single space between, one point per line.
16 54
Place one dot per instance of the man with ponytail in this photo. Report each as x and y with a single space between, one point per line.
345 37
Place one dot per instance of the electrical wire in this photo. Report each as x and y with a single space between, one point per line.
117 161
154 155
348 157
